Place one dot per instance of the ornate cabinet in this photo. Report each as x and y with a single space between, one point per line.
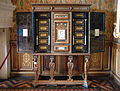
60 30
75 30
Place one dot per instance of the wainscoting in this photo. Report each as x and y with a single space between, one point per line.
115 63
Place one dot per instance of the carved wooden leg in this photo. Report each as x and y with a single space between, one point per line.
70 67
85 71
35 58
52 67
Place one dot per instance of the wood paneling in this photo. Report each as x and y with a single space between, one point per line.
115 63
95 62
101 61
14 56
20 62
107 57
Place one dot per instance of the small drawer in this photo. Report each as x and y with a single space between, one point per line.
61 48
79 21
79 47
43 41
79 28
43 34
43 22
79 15
79 41
43 28
42 47
79 34
44 15
61 16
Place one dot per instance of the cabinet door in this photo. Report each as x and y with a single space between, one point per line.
24 32
42 32
97 29
80 32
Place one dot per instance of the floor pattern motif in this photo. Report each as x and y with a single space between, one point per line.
25 84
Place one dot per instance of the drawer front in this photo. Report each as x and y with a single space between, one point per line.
61 16
43 28
44 48
43 41
61 48
44 15
79 34
44 22
79 22
43 34
79 48
79 15
79 28
79 41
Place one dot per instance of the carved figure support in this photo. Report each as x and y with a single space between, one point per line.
70 67
35 58
52 67
85 71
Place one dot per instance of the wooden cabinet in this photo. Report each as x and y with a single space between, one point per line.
60 29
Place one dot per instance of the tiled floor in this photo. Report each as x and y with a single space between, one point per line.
25 84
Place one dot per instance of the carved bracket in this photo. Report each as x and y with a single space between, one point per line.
52 67
70 67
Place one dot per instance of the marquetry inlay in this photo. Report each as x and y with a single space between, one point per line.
26 60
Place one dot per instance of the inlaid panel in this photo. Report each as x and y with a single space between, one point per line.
61 16
61 31
61 48
25 61
95 62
